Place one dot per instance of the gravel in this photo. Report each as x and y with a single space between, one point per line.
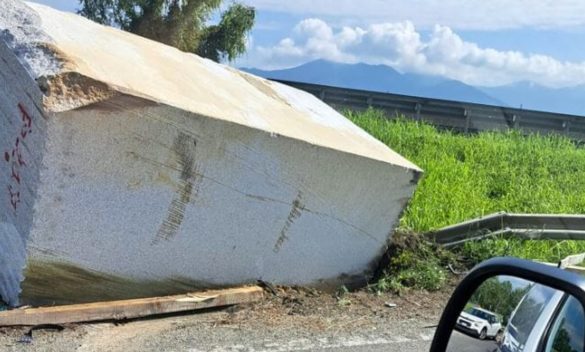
296 319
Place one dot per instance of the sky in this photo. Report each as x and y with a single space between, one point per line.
479 42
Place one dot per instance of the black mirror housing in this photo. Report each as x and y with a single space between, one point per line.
553 277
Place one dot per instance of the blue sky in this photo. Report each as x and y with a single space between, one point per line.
484 43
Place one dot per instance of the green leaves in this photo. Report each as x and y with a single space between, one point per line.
498 296
179 23
227 40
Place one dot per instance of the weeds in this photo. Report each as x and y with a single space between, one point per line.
470 176
341 297
542 250
413 262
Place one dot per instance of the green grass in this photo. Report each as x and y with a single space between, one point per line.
467 176
470 176
548 251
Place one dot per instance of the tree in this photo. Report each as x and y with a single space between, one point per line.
499 297
179 23
562 342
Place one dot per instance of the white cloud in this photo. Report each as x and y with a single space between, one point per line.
401 46
314 27
457 14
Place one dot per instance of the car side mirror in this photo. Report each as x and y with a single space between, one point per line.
539 307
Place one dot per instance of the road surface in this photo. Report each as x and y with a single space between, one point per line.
461 342
296 319
207 333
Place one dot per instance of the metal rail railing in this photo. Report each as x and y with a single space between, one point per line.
455 115
529 226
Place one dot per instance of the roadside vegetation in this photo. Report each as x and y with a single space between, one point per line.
498 296
467 176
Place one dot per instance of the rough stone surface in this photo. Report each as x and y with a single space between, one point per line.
20 30
22 136
151 171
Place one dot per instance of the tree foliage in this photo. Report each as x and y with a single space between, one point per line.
179 23
499 297
562 342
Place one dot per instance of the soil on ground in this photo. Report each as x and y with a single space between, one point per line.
285 313
304 308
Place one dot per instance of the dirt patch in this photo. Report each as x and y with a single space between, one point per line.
293 314
301 308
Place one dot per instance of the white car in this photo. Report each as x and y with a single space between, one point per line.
481 323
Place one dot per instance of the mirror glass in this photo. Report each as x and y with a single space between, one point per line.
509 314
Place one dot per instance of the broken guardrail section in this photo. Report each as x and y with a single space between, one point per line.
131 169
529 226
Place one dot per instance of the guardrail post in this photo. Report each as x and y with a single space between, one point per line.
467 116
417 109
369 101
567 126
515 121
322 95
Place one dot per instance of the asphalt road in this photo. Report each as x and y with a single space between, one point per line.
341 343
461 342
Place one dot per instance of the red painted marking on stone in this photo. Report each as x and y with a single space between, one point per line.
15 175
14 197
25 116
15 156
27 121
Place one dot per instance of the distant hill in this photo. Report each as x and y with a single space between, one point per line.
378 78
383 78
534 97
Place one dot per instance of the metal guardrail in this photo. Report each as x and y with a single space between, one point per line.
529 226
454 115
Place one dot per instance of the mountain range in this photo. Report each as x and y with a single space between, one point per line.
382 78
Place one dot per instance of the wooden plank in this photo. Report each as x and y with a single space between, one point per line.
132 308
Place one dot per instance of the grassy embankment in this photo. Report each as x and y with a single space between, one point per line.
470 176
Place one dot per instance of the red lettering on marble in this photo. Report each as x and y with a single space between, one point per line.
15 175
15 158
25 116
14 197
